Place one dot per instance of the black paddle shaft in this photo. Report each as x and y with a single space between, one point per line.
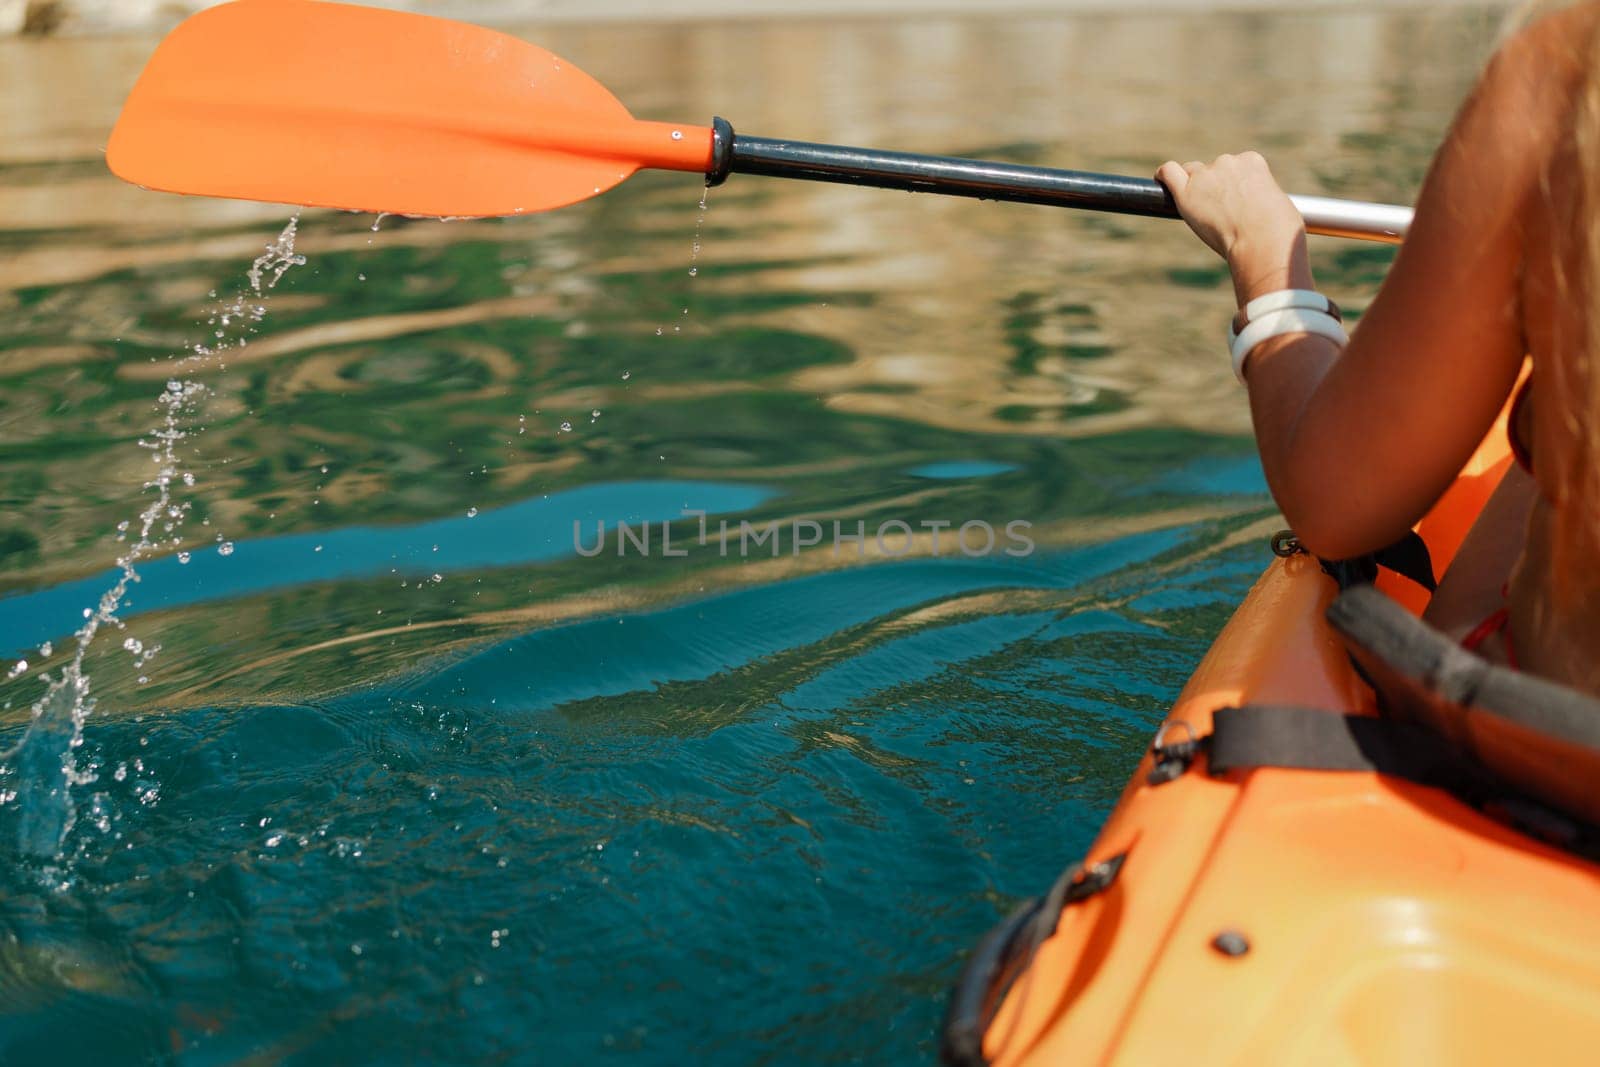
953 176
949 175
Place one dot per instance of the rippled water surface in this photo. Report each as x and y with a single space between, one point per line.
417 776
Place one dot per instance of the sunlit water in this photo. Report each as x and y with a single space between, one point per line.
417 777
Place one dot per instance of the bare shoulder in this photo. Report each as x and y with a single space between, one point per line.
1519 110
1560 43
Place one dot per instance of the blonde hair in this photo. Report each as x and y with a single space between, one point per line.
1572 475
1575 551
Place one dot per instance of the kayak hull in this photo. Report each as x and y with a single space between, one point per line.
1291 916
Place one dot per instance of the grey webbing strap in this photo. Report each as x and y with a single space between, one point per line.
1314 740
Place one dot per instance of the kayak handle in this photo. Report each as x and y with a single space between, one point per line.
977 994
1005 953
955 176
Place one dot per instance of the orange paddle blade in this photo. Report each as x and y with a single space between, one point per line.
333 105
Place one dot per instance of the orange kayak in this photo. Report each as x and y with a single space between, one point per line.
1280 915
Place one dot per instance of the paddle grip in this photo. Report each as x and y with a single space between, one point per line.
954 176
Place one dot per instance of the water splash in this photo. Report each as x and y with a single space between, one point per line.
38 775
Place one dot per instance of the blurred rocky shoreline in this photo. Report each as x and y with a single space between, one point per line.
73 17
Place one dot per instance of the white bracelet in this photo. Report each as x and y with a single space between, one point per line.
1279 301
1281 322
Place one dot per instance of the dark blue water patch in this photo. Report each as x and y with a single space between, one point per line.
528 532
1173 598
967 468
925 652
1213 477
917 654
620 654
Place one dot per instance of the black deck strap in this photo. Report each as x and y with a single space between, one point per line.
1538 736
1408 557
1316 740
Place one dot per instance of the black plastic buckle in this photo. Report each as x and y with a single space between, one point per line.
1172 758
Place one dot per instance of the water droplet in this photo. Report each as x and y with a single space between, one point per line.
659 332
46 648
693 271
317 549
677 135
225 548
566 427
17 670
183 557
472 513
627 374
595 414
361 277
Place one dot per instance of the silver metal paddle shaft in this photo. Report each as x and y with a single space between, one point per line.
1353 218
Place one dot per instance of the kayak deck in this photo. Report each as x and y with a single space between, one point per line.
1380 921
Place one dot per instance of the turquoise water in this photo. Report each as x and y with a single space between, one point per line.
465 740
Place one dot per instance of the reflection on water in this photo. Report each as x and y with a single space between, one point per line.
525 532
740 803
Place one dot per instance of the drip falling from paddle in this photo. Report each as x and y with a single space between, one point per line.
38 775
694 258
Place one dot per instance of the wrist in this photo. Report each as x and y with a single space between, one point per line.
1264 267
